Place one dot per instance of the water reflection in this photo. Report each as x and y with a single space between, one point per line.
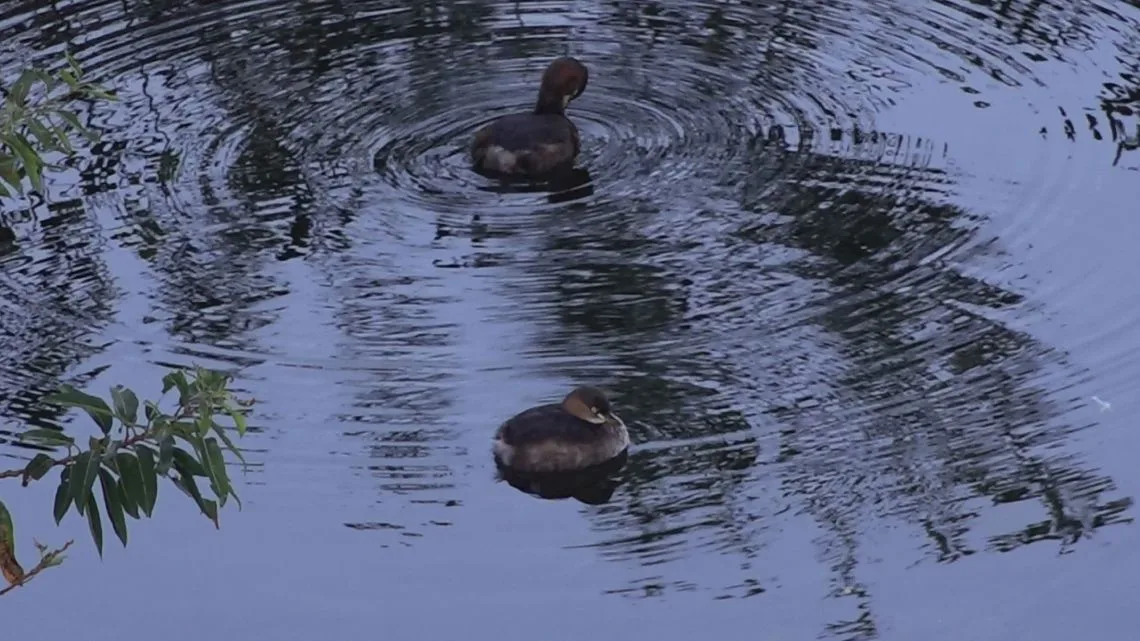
57 294
592 486
773 254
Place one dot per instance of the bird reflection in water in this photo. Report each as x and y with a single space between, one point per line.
593 485
564 187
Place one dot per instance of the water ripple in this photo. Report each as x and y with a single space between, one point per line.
799 253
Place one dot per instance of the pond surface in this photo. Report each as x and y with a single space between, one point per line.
860 275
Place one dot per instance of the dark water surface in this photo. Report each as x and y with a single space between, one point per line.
853 271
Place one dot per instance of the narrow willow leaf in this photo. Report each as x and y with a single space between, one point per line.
79 488
95 522
239 421
62 495
100 93
94 406
18 93
130 477
221 432
126 404
37 467
186 431
9 567
185 462
8 171
176 379
129 506
110 453
63 138
43 135
210 509
47 436
73 121
44 77
205 418
165 454
73 63
30 159
217 469
186 483
151 411
7 530
149 479
114 505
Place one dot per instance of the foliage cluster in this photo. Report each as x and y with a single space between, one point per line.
137 445
36 117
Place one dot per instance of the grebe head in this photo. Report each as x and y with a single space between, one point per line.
564 80
590 404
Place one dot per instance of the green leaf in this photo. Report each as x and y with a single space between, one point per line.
47 436
37 467
7 530
61 136
9 567
177 379
149 479
32 162
216 466
73 63
165 454
221 432
62 495
185 462
210 509
152 410
239 420
46 78
81 468
186 483
18 93
114 505
130 477
96 407
109 455
72 121
95 91
43 135
95 523
129 506
205 418
126 404
8 172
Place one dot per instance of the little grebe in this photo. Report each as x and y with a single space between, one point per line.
537 143
577 433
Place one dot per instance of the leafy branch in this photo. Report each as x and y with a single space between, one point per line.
130 456
35 118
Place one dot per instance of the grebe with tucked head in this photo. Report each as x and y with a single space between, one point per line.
537 143
580 432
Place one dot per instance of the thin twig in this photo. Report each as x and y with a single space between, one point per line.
46 562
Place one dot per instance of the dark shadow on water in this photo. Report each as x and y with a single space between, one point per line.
566 186
594 485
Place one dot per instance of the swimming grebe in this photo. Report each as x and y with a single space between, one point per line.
577 433
537 143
